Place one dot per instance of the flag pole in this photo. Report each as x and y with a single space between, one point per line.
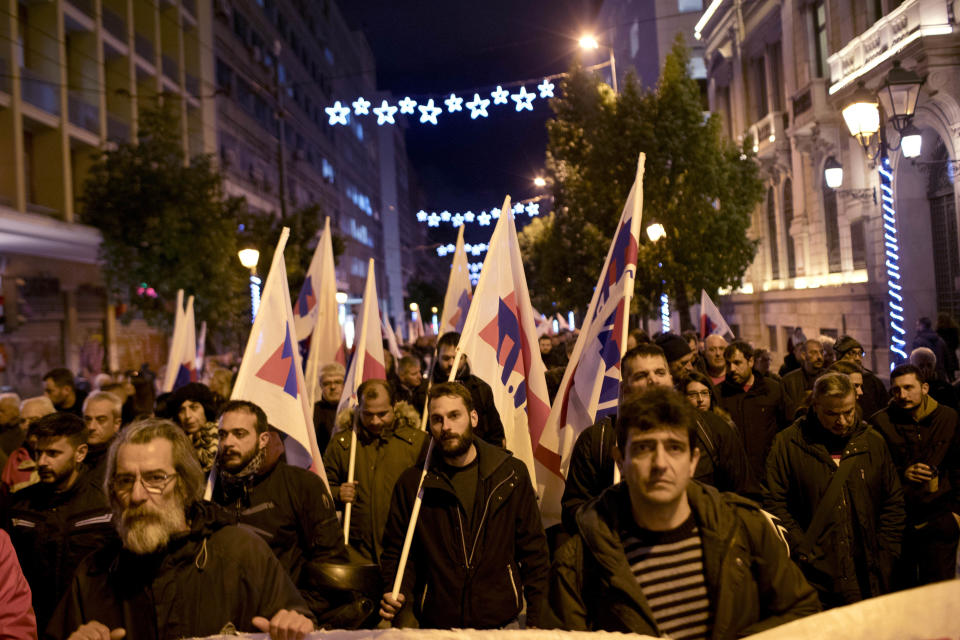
628 291
359 354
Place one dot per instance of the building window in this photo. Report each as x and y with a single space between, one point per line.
772 235
758 84
776 65
820 51
858 243
832 228
686 6
943 227
772 337
787 223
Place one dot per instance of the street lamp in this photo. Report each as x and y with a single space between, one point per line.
540 182
833 173
249 257
590 43
656 231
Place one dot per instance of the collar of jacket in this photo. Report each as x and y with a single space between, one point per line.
903 416
810 427
600 521
406 420
759 386
462 374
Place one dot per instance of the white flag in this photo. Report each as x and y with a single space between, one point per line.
456 302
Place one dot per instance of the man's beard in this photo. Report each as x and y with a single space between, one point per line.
238 464
454 446
147 528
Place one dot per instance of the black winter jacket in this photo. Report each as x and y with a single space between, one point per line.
460 577
751 582
489 425
291 509
207 578
875 395
723 463
935 440
52 532
866 522
758 414
795 385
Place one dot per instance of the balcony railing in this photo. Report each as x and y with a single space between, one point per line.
82 113
115 25
117 129
911 20
39 92
143 47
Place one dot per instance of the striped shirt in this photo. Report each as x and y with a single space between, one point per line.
668 566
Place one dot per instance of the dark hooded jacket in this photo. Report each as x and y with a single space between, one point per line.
380 459
470 572
52 532
758 414
291 510
489 426
933 438
213 576
751 583
864 530
723 463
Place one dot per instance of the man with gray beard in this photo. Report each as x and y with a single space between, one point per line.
179 569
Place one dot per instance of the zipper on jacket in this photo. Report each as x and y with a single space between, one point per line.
463 540
423 599
513 583
483 518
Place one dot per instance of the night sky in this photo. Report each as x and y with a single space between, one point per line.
468 46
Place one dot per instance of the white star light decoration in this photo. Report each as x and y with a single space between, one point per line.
546 88
429 112
445 216
483 219
478 107
407 105
454 103
500 95
338 113
422 216
518 208
433 220
468 216
456 220
385 113
523 99
361 107
533 209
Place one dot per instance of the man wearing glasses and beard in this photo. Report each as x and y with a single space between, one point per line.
179 569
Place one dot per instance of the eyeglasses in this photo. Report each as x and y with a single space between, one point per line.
153 482
698 394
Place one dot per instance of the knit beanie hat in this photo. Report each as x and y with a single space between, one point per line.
673 346
846 343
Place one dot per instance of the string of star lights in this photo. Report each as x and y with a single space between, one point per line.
429 108
530 207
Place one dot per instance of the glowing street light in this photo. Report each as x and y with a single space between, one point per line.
589 42
342 297
540 181
249 258
656 231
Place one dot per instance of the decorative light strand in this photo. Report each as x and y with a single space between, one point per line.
471 249
429 108
530 206
892 250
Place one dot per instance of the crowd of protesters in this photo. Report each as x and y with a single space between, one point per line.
721 498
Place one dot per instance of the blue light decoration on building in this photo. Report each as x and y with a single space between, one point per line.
254 297
892 250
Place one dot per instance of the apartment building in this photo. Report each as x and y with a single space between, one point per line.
780 72
73 77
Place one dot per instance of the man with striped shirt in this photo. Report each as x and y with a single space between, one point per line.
663 555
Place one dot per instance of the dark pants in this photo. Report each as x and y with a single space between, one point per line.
929 551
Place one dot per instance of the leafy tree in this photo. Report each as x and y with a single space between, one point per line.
701 187
166 223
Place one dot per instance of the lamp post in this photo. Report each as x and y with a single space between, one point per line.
249 257
864 118
655 232
589 42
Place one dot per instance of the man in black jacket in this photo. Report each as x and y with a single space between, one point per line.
182 571
832 482
924 440
875 395
289 507
489 425
661 555
479 548
102 416
754 402
723 463
798 383
56 522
